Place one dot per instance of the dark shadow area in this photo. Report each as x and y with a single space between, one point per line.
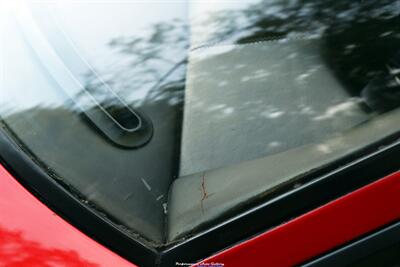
388 257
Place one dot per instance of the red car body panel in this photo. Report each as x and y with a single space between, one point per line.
32 235
320 230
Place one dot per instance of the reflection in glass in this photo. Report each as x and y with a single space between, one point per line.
203 86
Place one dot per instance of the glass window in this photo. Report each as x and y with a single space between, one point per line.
184 110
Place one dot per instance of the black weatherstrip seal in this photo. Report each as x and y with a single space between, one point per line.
359 249
318 188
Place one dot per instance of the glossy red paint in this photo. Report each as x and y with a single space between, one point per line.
320 230
32 235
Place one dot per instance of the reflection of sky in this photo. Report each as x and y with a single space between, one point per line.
19 70
91 25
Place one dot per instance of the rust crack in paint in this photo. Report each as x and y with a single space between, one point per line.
203 189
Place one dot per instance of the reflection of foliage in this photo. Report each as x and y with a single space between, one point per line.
17 251
151 47
275 19
353 32
360 37
165 45
154 61
362 50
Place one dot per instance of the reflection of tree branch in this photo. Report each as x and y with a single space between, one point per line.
151 55
165 76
